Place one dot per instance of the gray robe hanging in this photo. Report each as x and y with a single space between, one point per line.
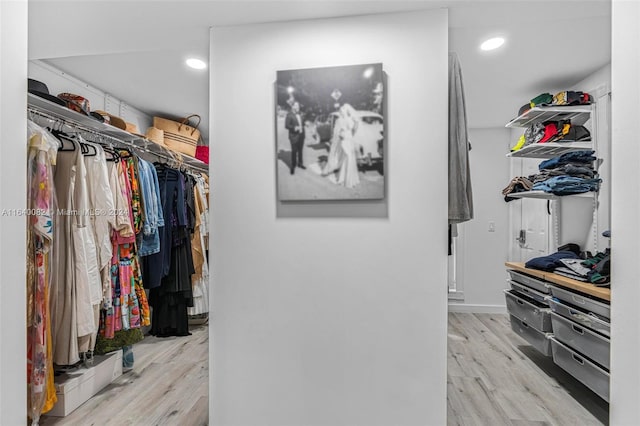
460 196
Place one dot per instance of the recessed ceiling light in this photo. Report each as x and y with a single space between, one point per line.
196 63
492 43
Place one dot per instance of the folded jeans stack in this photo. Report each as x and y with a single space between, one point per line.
583 171
574 157
567 185
566 174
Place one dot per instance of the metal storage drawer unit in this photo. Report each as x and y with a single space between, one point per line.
581 339
583 302
535 338
534 294
534 283
592 376
534 314
586 319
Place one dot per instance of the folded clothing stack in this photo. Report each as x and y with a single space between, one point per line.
550 262
570 262
599 268
517 184
566 174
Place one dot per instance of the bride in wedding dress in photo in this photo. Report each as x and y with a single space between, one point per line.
342 155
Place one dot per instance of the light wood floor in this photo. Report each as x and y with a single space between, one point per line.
496 378
169 385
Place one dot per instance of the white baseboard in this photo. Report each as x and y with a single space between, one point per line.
456 295
477 309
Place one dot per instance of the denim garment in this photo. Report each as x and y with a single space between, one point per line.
582 157
156 184
147 197
547 174
566 185
150 243
578 170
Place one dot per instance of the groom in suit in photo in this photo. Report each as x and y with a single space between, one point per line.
294 123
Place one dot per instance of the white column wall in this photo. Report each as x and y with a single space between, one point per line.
329 321
625 226
13 161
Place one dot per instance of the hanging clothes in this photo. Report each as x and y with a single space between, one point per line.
173 266
123 315
72 311
149 238
42 148
460 193
101 219
200 279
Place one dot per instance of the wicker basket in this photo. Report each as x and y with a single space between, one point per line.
179 136
156 135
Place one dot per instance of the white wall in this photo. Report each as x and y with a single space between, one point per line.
625 227
596 83
329 321
483 252
13 162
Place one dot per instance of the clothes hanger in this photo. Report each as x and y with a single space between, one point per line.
109 150
88 150
64 138
127 153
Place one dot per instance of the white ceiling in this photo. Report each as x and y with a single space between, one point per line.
135 50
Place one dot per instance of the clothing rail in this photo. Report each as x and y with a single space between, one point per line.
112 135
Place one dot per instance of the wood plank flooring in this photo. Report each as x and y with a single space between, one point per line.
169 385
496 378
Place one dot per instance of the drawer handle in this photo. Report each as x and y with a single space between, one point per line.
524 324
519 302
579 300
577 359
577 329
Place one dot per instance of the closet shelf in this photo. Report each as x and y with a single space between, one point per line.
550 149
75 118
154 148
577 114
548 196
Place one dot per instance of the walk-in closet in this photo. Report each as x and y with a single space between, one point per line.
117 249
152 273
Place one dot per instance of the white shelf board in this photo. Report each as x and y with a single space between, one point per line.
63 113
577 114
71 116
548 196
549 150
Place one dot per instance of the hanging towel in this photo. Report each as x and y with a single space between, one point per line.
460 196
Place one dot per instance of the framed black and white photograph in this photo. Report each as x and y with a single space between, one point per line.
330 141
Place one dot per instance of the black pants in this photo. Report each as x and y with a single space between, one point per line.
297 143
